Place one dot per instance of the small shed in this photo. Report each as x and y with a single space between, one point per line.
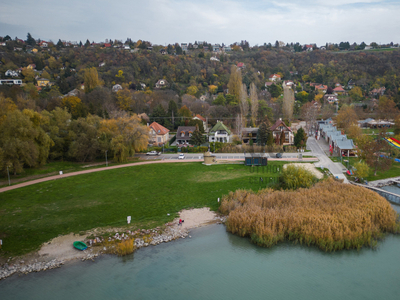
256 159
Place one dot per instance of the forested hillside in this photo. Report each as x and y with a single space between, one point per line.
84 92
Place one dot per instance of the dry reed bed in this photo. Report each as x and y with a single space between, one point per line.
329 215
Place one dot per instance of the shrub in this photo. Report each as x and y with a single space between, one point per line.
293 177
330 215
125 247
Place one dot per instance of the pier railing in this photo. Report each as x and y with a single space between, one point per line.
391 197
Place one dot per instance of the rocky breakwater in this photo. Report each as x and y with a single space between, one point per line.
10 269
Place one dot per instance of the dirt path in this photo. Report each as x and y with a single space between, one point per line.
13 187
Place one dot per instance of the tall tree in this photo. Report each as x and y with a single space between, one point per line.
300 138
235 82
244 105
346 117
309 113
376 153
197 137
30 40
23 141
387 108
254 103
288 102
262 134
91 79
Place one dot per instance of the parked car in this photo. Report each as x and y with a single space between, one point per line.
153 153
279 155
181 156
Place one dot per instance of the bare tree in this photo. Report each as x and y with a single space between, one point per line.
288 102
254 103
238 125
309 113
244 105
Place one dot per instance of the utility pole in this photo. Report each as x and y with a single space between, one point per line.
173 123
9 183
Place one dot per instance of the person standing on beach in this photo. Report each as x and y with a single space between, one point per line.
180 222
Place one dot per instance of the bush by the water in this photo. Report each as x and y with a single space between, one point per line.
294 177
125 247
330 215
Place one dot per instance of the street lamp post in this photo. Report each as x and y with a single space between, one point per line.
106 159
9 182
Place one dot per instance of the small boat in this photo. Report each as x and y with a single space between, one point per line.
80 245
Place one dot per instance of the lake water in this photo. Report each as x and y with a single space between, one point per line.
392 188
214 264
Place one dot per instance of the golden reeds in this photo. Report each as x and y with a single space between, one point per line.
125 247
330 215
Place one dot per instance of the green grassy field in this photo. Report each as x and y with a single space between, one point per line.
35 214
53 168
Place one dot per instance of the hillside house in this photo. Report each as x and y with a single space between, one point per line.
184 47
249 133
338 90
377 92
280 127
204 120
117 87
330 98
321 89
161 83
184 134
11 73
216 48
43 82
219 133
158 134
275 77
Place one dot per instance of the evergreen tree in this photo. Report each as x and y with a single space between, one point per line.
262 135
300 138
30 40
159 115
197 137
87 44
59 44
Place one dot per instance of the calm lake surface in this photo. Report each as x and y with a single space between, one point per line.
214 264
392 188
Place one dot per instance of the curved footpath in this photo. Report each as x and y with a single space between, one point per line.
16 186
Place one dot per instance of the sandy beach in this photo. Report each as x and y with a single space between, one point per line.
60 250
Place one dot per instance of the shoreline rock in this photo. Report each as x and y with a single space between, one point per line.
171 233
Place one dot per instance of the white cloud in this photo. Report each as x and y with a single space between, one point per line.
169 21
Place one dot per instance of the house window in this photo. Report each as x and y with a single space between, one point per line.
182 133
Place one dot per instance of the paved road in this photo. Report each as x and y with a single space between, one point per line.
324 160
199 156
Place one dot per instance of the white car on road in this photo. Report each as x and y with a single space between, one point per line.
153 153
181 156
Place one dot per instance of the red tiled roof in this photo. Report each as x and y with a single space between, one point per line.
201 118
159 129
278 123
338 89
321 87
107 45
240 65
276 75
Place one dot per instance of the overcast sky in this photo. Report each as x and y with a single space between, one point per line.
217 21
